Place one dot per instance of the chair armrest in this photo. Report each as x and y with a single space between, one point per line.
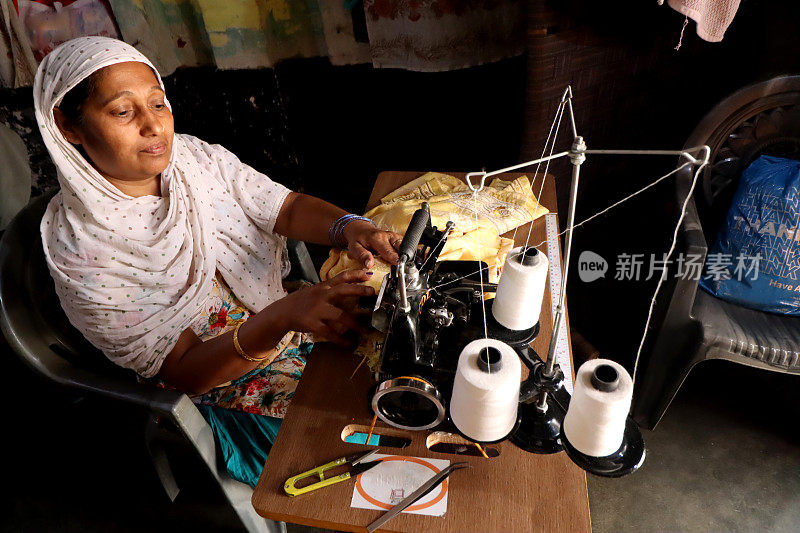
159 401
118 386
692 235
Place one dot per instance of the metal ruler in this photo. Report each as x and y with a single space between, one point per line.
554 256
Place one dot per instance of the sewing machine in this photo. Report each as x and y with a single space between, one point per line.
429 311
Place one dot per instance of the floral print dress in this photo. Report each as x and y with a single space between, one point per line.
266 390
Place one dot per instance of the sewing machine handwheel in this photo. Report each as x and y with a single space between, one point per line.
408 402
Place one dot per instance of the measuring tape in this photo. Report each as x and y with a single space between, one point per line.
554 255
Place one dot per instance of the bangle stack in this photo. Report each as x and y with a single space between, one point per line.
336 232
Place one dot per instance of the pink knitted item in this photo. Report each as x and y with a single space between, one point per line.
712 16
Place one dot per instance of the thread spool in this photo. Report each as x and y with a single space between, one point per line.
486 390
520 290
595 421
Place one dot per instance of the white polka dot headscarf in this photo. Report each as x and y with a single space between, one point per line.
132 273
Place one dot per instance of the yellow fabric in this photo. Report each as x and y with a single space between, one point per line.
501 206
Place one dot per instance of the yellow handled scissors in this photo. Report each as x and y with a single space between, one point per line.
356 461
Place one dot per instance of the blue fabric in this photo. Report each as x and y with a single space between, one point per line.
361 438
763 221
244 440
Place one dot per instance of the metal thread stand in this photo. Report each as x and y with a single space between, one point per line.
538 429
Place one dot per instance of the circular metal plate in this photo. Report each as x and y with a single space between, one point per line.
408 402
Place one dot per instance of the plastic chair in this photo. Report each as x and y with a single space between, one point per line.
39 332
691 326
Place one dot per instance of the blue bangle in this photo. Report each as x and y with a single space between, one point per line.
336 231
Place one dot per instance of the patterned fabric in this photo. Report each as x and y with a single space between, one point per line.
436 35
52 22
267 389
17 64
133 272
222 312
238 34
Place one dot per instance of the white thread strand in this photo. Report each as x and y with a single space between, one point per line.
460 278
480 260
546 168
557 117
669 252
661 278
559 112
443 237
683 28
615 204
604 211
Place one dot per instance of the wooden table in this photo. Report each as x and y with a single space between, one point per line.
517 491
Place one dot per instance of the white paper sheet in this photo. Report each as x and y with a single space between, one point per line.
396 478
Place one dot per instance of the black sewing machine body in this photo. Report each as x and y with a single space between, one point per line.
428 340
429 311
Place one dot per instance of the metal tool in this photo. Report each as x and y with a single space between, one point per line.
541 416
358 467
428 486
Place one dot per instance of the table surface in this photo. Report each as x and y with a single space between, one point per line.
516 491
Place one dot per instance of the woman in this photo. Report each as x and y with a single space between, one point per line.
168 253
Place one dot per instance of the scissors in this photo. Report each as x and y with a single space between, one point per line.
356 461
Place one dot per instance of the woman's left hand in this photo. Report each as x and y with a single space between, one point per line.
364 239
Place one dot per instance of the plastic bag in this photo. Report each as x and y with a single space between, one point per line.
756 258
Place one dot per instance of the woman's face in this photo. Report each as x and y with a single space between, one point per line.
126 127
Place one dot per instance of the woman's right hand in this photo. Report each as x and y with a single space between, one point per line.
325 309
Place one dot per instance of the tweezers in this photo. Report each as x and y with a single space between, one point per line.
428 486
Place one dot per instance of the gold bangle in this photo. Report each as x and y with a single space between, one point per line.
239 346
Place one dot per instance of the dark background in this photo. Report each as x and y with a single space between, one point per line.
634 90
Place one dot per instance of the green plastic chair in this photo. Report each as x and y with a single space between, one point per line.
32 320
